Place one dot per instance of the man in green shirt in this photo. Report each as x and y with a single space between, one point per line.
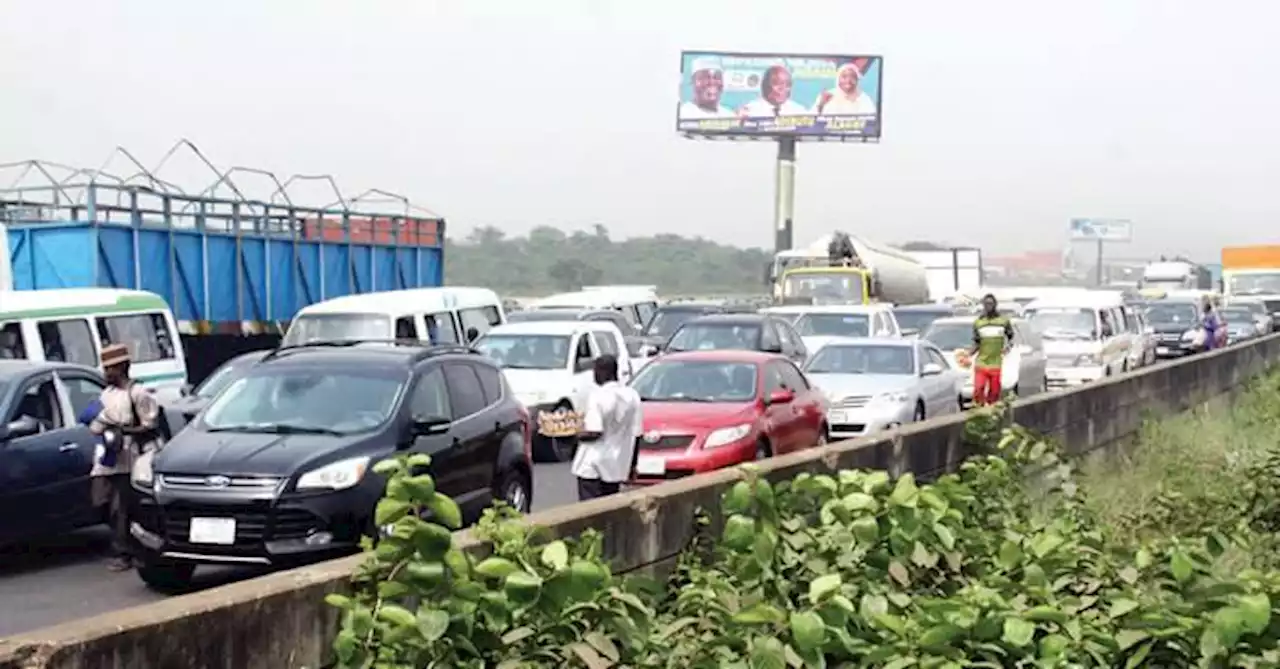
992 337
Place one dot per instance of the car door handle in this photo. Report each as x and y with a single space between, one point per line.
68 447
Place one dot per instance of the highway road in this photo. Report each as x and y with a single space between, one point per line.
57 581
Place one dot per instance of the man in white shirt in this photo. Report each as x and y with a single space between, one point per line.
610 426
708 85
775 96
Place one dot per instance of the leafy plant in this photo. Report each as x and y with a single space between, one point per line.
1007 562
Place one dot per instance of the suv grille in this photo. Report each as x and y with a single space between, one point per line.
253 525
852 401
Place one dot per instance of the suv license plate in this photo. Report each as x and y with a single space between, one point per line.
651 465
221 531
1162 350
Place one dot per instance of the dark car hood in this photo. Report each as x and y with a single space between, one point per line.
1172 328
194 451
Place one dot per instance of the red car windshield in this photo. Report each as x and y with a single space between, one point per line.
696 381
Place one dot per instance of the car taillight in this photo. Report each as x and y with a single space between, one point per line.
526 422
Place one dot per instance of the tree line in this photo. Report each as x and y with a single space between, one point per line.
550 259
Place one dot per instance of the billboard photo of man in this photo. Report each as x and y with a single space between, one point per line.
708 86
846 97
775 96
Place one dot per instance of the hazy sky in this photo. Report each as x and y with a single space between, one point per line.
1002 118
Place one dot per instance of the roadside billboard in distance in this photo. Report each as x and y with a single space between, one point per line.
1104 229
797 95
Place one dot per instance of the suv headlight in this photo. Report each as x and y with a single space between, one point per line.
1088 360
339 475
726 435
142 474
1188 335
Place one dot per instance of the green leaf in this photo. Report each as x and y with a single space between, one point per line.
432 623
1018 632
808 631
389 511
1120 607
899 574
1010 555
739 532
431 540
1255 611
860 501
737 499
445 511
767 653
604 645
866 530
945 537
873 605
1054 645
339 601
1143 559
522 587
496 567
940 635
1126 639
905 493
393 590
1045 614
556 555
396 615
1228 625
388 467
418 460
760 613
589 656
1045 544
822 586
1136 660
1180 566
421 487
517 635
922 557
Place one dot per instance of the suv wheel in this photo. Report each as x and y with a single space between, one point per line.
167 577
515 489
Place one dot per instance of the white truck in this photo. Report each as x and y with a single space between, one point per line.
951 271
1176 275
842 269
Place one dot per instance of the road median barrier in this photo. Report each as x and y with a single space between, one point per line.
280 621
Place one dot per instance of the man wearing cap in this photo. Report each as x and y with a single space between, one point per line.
708 85
131 413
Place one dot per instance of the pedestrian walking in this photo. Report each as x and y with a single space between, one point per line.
128 424
610 426
992 337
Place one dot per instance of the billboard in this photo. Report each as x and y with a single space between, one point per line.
1101 229
802 96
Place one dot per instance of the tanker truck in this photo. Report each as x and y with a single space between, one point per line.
841 269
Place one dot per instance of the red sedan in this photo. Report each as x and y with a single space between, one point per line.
704 410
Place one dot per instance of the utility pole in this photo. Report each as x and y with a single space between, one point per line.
785 194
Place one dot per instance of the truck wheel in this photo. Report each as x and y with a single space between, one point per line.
167 577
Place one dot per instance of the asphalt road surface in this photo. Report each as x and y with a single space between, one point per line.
61 580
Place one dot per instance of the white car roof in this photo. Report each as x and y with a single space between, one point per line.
411 301
827 309
564 328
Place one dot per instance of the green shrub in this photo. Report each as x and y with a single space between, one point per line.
848 570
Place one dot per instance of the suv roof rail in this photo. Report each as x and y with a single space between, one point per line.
428 349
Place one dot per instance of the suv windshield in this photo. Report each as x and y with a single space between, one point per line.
950 336
833 325
544 315
919 319
836 286
665 321
322 327
1064 322
696 381
1172 314
305 401
221 378
842 359
526 351
715 336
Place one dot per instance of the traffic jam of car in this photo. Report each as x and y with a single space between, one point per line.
269 460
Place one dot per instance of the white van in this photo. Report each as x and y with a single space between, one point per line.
73 324
637 303
1085 337
436 315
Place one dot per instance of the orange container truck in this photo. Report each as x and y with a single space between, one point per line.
1253 272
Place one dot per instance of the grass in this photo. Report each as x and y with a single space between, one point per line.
1192 473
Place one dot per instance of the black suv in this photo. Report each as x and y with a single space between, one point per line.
278 468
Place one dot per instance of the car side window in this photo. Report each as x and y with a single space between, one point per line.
773 378
11 346
605 343
431 397
68 340
792 378
480 319
645 311
405 328
490 383
81 391
442 328
583 350
769 336
39 400
466 396
936 358
790 334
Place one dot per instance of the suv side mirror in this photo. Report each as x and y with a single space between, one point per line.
783 396
931 369
23 426
909 332
771 348
430 425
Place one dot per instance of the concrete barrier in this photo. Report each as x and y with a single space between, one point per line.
279 621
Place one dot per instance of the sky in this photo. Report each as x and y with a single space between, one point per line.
1002 119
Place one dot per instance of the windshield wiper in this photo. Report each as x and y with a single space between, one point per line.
276 428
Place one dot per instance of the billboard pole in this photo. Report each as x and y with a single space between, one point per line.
1099 262
785 194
